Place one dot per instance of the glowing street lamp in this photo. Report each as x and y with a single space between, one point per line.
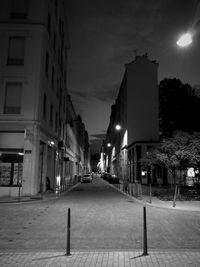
118 127
108 144
185 40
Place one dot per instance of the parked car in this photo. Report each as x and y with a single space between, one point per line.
86 178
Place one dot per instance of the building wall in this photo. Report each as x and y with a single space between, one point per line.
142 100
38 131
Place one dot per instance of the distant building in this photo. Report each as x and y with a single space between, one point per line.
40 148
136 111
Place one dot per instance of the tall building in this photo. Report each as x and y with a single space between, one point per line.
136 111
38 145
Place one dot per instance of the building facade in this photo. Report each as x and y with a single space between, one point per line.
136 111
39 147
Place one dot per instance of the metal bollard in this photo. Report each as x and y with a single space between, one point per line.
145 253
68 233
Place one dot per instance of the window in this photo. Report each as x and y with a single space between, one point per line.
13 92
19 9
49 24
11 168
51 115
56 122
54 42
52 78
56 9
16 49
44 106
47 65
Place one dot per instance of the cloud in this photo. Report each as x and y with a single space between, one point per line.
107 93
96 137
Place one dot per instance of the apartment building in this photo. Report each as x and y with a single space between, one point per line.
39 147
135 111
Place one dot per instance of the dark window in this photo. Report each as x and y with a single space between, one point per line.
13 92
54 42
49 24
52 78
19 9
47 64
16 49
56 122
57 89
56 9
51 115
138 155
44 106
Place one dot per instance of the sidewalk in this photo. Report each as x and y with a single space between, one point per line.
40 197
101 258
156 202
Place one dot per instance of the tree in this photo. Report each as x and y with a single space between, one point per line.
176 153
178 107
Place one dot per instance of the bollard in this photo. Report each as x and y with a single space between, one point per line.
68 233
145 253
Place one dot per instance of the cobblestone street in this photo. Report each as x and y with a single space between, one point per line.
102 219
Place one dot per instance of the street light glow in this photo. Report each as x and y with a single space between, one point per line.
118 127
184 40
109 145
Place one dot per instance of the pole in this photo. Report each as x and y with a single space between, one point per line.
68 232
150 194
145 253
19 192
174 201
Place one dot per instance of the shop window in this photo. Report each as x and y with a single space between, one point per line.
16 49
11 168
13 92
19 9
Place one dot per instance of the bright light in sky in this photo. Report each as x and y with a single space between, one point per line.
185 40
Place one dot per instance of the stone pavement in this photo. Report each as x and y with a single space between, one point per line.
108 257
156 202
100 258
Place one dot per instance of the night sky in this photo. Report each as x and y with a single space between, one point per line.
103 37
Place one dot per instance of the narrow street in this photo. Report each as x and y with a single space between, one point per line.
101 218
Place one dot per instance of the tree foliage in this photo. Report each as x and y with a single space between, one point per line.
178 107
175 153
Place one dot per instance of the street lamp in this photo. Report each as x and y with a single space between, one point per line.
185 40
118 127
108 144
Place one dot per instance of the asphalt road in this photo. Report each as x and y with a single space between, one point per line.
101 218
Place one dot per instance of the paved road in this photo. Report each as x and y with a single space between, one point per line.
102 218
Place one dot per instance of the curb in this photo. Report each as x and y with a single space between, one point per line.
147 203
55 197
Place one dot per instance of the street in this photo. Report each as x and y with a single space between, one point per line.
101 218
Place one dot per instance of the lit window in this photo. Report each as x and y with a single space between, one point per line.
13 94
16 50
